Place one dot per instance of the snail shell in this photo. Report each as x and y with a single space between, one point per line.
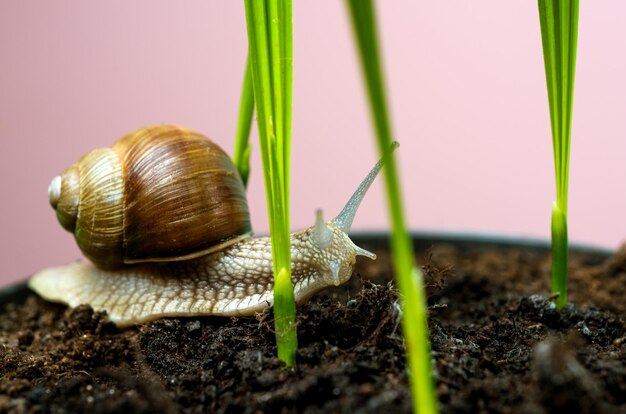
162 193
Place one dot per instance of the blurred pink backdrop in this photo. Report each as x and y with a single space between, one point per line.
467 94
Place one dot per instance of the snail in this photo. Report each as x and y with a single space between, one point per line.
163 218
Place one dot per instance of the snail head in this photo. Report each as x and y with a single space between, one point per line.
331 238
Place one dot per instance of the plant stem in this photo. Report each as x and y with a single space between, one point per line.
241 153
559 255
409 278
559 35
270 34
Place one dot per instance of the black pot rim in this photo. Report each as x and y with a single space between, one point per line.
481 240
421 241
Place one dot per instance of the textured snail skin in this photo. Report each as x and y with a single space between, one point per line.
236 281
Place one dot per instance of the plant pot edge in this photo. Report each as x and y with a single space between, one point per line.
422 240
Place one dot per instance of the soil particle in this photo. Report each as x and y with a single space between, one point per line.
498 343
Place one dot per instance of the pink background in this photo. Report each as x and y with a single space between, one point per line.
467 93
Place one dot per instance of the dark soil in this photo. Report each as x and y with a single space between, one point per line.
498 345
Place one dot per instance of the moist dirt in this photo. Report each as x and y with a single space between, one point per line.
498 343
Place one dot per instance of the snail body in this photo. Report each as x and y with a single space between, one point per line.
231 274
236 281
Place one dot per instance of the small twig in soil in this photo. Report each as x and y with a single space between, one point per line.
435 276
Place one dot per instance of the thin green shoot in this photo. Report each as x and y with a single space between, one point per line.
559 35
270 43
409 278
241 153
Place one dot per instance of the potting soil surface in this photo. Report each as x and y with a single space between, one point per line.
499 345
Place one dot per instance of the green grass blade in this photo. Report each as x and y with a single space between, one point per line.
270 34
559 255
409 278
241 153
559 36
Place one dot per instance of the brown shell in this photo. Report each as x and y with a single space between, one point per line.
161 193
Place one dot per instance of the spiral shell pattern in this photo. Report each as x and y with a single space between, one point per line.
161 193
